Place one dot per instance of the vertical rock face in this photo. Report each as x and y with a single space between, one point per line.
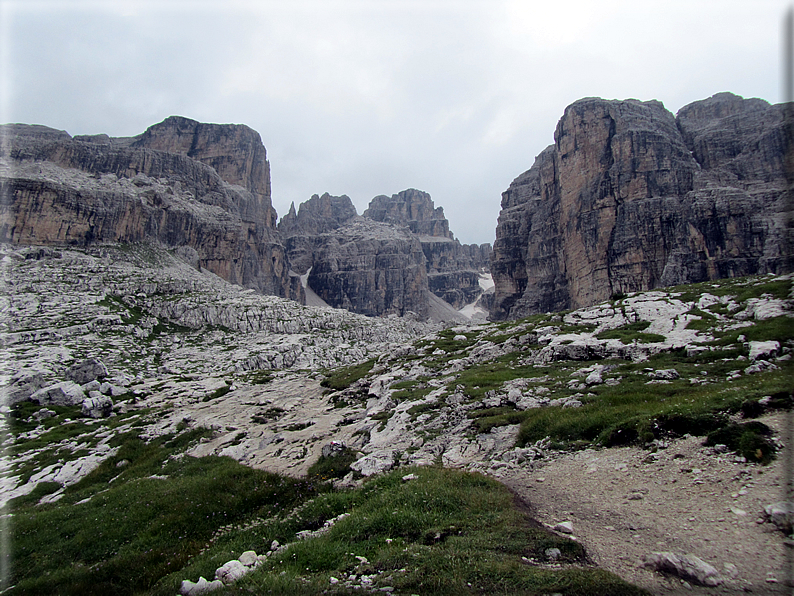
235 152
411 208
630 198
162 186
371 268
386 261
453 269
316 216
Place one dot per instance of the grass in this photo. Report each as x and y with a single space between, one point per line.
342 378
134 530
335 466
489 418
632 332
634 412
445 532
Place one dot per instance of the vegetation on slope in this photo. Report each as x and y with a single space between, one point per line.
149 516
161 517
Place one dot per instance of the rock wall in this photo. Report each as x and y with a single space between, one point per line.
371 268
631 198
316 216
200 189
452 268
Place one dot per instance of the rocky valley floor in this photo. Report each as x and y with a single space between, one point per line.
597 417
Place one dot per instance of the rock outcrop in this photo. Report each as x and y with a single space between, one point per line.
354 262
631 198
371 268
453 269
202 190
316 216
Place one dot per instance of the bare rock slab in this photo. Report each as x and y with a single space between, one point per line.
687 567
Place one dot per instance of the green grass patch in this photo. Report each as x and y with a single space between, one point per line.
334 466
410 390
706 322
489 418
132 532
342 378
220 392
446 532
636 412
632 332
749 439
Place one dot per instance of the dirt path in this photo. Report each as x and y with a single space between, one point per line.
624 504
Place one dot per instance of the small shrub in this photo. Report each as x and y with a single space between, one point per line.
335 466
748 439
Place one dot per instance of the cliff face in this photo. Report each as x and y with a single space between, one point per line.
453 269
630 198
386 261
162 186
371 268
316 216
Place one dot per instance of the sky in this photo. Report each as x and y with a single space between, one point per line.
371 97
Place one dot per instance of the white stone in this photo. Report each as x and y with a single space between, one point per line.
764 349
782 515
231 571
249 558
374 463
66 393
188 588
564 527
687 567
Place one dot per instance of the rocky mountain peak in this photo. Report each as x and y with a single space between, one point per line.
202 190
234 151
412 208
317 215
630 198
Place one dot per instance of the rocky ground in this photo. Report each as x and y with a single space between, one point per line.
177 349
624 504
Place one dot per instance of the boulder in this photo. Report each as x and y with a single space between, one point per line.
764 350
65 393
231 571
97 406
667 374
249 558
333 449
23 384
374 463
188 588
782 515
86 371
687 567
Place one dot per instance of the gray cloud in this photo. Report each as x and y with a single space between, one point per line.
372 97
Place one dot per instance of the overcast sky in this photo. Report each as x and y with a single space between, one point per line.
371 97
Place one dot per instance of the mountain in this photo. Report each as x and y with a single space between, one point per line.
453 269
631 198
202 190
399 257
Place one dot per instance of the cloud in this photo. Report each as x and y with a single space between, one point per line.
372 97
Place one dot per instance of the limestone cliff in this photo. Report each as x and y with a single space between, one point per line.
301 229
631 198
326 237
453 269
202 190
371 268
